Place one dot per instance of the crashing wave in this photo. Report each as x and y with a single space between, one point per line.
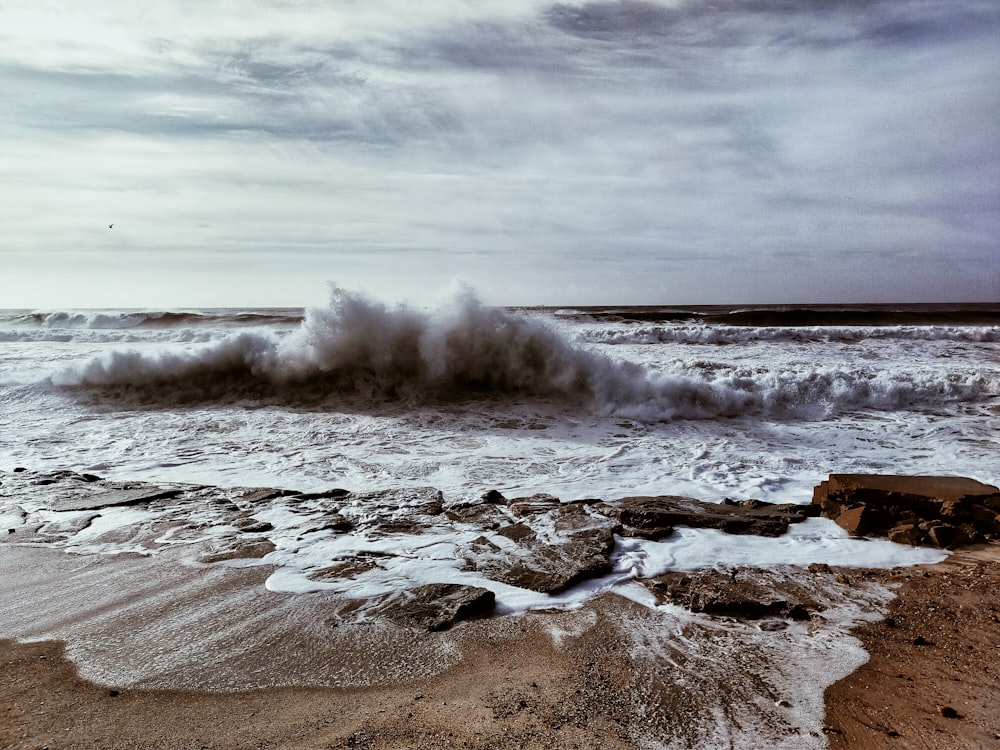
357 348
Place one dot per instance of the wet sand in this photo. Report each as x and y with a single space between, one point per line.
559 680
933 680
609 675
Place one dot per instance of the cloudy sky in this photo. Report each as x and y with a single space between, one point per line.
671 151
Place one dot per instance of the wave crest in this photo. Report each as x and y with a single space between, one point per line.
357 348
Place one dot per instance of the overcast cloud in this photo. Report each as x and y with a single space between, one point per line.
546 153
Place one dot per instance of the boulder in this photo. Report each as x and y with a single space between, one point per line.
936 511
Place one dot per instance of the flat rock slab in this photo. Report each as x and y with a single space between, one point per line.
655 517
115 497
741 593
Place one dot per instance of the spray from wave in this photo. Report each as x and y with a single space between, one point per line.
356 348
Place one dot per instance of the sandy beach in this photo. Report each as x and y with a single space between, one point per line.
186 642
515 685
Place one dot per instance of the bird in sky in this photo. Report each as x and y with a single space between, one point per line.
110 225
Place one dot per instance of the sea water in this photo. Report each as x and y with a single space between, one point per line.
707 402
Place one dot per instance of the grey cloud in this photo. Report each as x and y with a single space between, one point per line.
735 23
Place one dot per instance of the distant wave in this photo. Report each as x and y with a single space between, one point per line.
356 348
126 319
715 334
802 316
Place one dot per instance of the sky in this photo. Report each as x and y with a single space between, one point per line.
249 152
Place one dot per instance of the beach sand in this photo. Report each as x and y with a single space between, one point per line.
557 680
933 679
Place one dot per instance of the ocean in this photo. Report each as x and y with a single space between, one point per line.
709 402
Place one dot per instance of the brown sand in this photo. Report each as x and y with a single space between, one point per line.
933 680
499 697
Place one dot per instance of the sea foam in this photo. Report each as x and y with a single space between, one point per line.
359 349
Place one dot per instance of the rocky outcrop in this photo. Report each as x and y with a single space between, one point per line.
934 511
110 497
656 517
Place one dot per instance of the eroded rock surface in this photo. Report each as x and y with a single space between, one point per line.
743 593
438 606
934 511
655 517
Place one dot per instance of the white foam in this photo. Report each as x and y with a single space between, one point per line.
815 540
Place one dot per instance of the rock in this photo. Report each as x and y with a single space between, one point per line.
534 505
517 532
250 525
743 593
656 517
948 712
494 498
438 606
931 510
907 533
581 549
243 550
334 522
133 495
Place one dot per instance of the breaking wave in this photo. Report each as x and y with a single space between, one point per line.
713 334
356 348
125 319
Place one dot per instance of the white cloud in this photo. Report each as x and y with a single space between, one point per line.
622 151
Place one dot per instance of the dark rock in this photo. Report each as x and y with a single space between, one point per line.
333 494
656 517
907 533
581 550
516 532
938 511
262 494
921 641
486 515
948 712
438 606
250 525
334 522
744 593
241 551
350 568
133 495
494 497
534 505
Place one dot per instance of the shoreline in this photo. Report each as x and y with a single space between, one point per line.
516 687
932 680
189 648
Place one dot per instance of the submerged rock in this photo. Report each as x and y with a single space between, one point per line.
919 510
